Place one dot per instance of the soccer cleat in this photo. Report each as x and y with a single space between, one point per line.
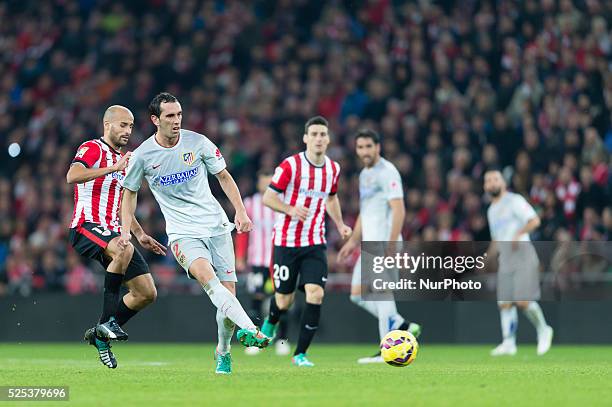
224 363
504 349
253 337
414 329
268 329
252 350
103 346
300 360
111 330
282 348
545 340
371 359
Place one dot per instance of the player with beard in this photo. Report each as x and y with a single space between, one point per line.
511 219
381 217
97 171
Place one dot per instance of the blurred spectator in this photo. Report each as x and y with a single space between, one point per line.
454 88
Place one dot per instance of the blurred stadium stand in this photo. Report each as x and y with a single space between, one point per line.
453 87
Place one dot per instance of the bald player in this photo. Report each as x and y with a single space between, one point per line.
511 220
97 172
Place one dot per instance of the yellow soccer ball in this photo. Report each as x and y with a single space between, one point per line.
399 348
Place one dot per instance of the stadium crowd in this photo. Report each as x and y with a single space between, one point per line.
454 88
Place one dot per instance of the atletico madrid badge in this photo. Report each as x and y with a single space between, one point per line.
188 158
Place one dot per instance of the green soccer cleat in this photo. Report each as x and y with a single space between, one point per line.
253 337
224 363
269 329
414 329
301 360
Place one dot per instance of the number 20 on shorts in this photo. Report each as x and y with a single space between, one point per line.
281 273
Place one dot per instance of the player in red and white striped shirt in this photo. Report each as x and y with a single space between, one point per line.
302 190
97 171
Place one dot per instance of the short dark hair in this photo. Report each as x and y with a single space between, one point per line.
315 120
368 133
155 105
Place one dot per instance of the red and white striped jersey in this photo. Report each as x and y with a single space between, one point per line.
257 244
303 184
98 200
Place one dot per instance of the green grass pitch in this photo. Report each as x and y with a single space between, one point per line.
177 374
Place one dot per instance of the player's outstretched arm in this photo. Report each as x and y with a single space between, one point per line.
242 221
272 201
335 212
78 173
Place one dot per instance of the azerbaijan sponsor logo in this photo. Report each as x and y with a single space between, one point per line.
177 178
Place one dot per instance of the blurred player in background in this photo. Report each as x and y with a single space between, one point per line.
254 250
511 219
381 217
302 190
176 163
97 171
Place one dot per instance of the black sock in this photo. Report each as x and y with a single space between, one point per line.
255 313
112 284
403 326
282 327
275 312
124 313
308 327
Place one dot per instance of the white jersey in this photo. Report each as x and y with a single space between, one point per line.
506 217
178 178
377 186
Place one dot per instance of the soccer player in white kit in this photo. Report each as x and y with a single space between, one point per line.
382 212
176 163
511 219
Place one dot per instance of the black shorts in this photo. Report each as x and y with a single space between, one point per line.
309 263
257 281
90 240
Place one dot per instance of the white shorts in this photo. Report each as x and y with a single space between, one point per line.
518 279
218 250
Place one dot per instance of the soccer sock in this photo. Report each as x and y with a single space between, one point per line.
275 312
124 313
388 318
369 306
112 284
283 328
509 323
534 313
227 303
225 330
256 309
308 327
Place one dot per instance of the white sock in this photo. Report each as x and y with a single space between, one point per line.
227 303
225 330
369 306
509 323
388 318
535 315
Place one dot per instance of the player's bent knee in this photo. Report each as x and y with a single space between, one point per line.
314 295
283 301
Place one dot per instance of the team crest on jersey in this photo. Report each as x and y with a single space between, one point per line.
188 158
81 152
